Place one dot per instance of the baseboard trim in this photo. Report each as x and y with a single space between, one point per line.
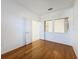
13 51
61 44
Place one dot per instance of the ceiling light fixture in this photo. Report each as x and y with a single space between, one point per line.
50 9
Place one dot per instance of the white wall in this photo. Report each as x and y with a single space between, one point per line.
12 23
42 30
75 36
28 31
68 37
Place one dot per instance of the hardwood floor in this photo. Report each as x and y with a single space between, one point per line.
42 49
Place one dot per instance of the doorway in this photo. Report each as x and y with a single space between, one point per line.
35 30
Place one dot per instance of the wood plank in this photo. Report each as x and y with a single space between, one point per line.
41 49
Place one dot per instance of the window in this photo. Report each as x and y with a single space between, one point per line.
48 26
59 26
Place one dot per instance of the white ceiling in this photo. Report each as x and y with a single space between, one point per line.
40 7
